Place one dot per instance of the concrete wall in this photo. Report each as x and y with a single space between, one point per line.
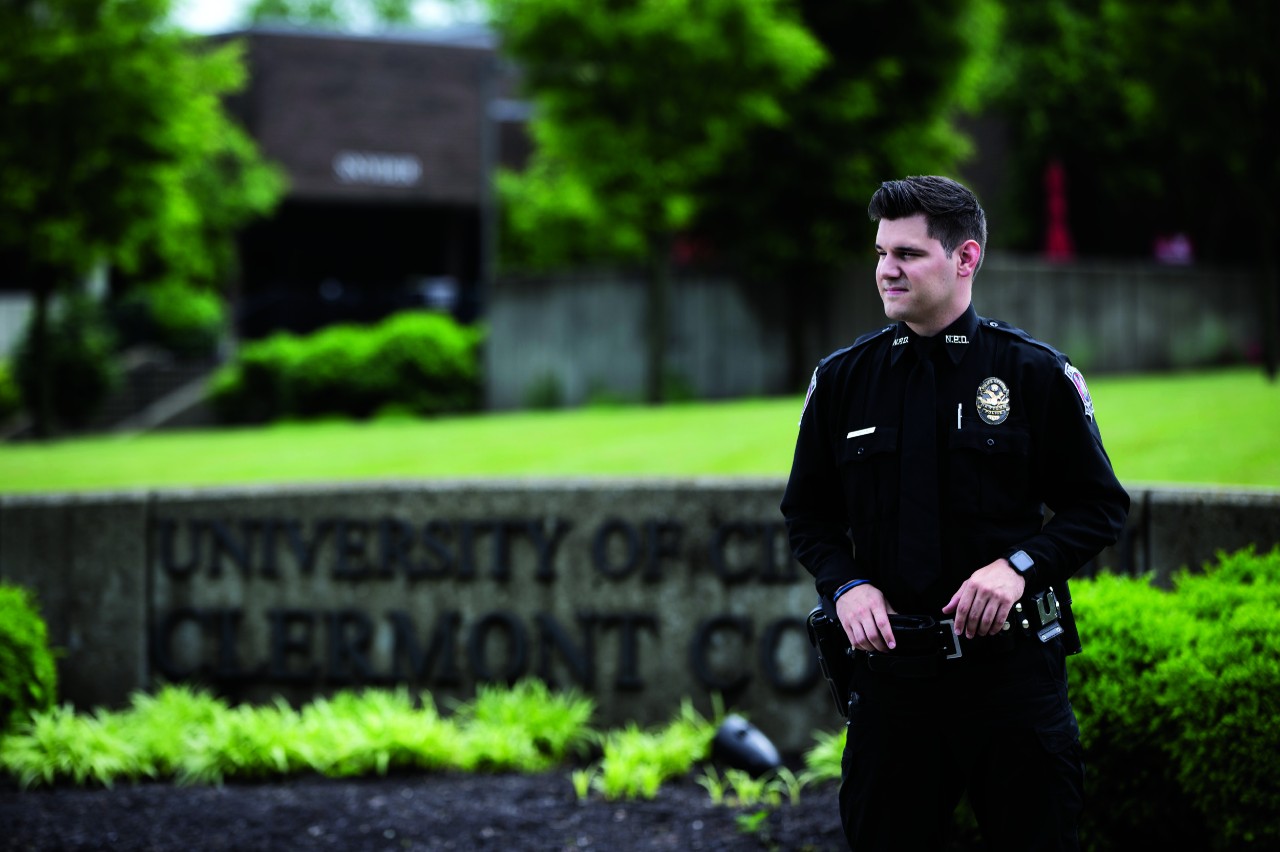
638 592
584 332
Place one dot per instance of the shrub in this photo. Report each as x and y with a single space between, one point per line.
80 361
1177 693
417 362
335 373
28 676
254 387
10 394
429 362
545 392
185 320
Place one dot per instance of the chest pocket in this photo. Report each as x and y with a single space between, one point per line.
991 469
869 473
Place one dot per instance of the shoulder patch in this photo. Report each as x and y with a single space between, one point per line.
1077 379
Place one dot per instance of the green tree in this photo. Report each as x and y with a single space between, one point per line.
636 104
333 14
1164 116
115 149
789 206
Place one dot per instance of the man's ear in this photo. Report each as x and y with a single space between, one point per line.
967 257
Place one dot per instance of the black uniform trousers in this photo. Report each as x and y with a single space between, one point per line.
995 723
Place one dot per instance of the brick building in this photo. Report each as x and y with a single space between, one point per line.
388 143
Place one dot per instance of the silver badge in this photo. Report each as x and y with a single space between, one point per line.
993 401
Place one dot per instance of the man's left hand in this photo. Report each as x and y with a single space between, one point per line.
982 603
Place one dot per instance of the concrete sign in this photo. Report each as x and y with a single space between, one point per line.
638 593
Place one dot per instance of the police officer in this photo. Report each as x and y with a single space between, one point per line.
926 455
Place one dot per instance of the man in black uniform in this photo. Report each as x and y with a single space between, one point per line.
926 455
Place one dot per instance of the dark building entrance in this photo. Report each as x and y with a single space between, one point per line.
317 263
388 145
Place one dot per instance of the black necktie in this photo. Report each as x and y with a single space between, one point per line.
919 554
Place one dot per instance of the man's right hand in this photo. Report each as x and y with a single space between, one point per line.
864 615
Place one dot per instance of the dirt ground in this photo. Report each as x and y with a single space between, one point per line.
403 812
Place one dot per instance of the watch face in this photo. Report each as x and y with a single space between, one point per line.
1021 561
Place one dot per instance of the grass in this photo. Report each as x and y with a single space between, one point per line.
1216 427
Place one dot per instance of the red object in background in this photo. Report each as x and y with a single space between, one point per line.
1057 239
1174 249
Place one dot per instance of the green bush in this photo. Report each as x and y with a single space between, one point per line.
253 387
185 320
336 373
28 677
429 362
81 364
417 362
10 393
1177 697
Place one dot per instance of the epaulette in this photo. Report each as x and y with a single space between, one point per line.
857 344
1002 326
1068 369
861 341
872 335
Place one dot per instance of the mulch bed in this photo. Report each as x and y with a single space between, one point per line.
404 812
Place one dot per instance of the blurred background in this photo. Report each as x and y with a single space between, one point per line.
229 212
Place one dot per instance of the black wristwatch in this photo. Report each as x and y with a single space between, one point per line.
1023 564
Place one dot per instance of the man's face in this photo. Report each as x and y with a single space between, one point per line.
918 283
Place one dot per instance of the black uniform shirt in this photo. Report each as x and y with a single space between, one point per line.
1016 434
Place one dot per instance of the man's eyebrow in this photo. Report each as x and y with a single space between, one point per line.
904 247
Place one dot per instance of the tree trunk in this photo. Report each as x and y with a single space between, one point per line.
41 407
1269 307
657 299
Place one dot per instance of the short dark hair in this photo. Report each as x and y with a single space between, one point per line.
951 210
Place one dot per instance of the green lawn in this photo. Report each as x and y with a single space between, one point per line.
1217 427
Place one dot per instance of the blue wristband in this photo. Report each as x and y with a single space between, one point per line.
846 587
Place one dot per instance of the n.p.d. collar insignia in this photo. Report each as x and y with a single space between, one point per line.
993 401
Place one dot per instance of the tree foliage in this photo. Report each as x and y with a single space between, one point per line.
1164 116
333 14
115 149
793 199
636 104
789 207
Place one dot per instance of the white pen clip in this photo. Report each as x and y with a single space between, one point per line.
858 433
959 413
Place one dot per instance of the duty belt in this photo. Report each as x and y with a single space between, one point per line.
923 643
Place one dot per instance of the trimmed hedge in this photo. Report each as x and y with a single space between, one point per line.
28 676
1178 696
416 362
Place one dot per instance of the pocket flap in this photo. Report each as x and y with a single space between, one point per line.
882 441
